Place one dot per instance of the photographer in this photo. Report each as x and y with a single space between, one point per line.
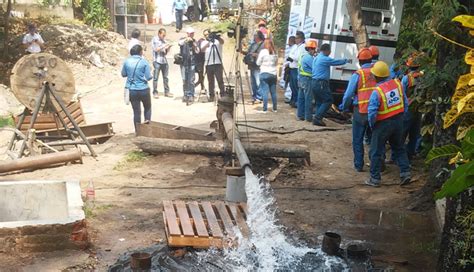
32 40
187 61
160 63
250 59
212 47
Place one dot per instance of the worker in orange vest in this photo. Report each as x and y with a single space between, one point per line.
412 125
387 105
358 92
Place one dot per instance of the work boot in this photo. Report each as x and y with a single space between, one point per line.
372 182
405 180
318 122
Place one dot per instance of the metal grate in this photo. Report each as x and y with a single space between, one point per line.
376 4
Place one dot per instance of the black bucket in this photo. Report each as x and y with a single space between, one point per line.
140 261
357 251
331 243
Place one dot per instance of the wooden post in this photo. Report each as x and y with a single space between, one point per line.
358 28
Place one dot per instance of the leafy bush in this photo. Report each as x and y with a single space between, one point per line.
96 14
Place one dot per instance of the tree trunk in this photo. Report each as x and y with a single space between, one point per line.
219 148
358 28
7 29
197 10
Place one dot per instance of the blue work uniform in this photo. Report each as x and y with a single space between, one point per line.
390 130
304 109
412 122
320 83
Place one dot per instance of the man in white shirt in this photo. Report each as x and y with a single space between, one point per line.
32 40
135 39
295 52
213 61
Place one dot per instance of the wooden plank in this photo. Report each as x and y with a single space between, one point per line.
184 219
239 219
196 242
211 219
226 220
243 207
197 218
171 219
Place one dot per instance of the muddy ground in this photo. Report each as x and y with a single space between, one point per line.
328 195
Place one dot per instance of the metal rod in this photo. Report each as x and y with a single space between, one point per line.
18 127
41 161
74 123
231 130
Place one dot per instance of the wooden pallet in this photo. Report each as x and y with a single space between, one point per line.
203 224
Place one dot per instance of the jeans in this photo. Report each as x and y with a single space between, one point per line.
187 73
179 19
215 71
268 83
322 96
255 82
137 97
305 99
294 85
412 129
359 128
390 130
164 68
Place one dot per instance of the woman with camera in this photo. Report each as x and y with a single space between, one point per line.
267 60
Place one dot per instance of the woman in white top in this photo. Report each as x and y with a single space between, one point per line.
267 60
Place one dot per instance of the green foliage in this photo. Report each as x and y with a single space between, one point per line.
467 222
47 3
279 23
96 13
462 177
132 158
6 121
443 151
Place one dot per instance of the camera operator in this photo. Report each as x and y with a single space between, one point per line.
188 50
212 47
32 40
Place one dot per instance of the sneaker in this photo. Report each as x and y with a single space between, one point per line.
318 122
262 111
211 99
405 180
299 119
155 95
168 95
274 111
372 183
359 169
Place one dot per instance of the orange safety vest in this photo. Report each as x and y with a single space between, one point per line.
391 99
365 86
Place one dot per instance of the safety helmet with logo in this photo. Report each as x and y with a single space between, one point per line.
380 69
412 62
364 54
374 50
311 44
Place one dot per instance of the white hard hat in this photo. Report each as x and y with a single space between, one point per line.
190 30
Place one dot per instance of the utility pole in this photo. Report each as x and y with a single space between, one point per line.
6 20
358 27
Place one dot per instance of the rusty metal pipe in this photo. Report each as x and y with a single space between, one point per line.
41 161
231 132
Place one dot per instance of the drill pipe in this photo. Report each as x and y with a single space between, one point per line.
231 131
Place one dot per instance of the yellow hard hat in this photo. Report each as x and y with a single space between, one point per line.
380 69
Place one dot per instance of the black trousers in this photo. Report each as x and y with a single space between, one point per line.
215 71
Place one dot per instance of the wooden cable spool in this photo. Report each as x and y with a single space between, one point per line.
31 71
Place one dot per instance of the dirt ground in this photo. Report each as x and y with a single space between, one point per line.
328 195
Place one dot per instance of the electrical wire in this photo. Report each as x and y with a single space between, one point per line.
451 41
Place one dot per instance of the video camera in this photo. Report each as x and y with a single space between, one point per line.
214 35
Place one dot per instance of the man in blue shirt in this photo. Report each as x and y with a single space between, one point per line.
357 94
320 82
305 96
138 72
387 105
179 7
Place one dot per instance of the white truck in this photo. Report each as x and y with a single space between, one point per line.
328 21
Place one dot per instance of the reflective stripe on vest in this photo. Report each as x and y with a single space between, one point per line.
365 86
391 99
300 67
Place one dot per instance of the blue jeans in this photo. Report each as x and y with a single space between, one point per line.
359 128
255 82
187 73
268 83
412 130
138 97
294 85
305 99
179 18
164 68
322 96
390 130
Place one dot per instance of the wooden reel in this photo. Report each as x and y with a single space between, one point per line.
31 71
